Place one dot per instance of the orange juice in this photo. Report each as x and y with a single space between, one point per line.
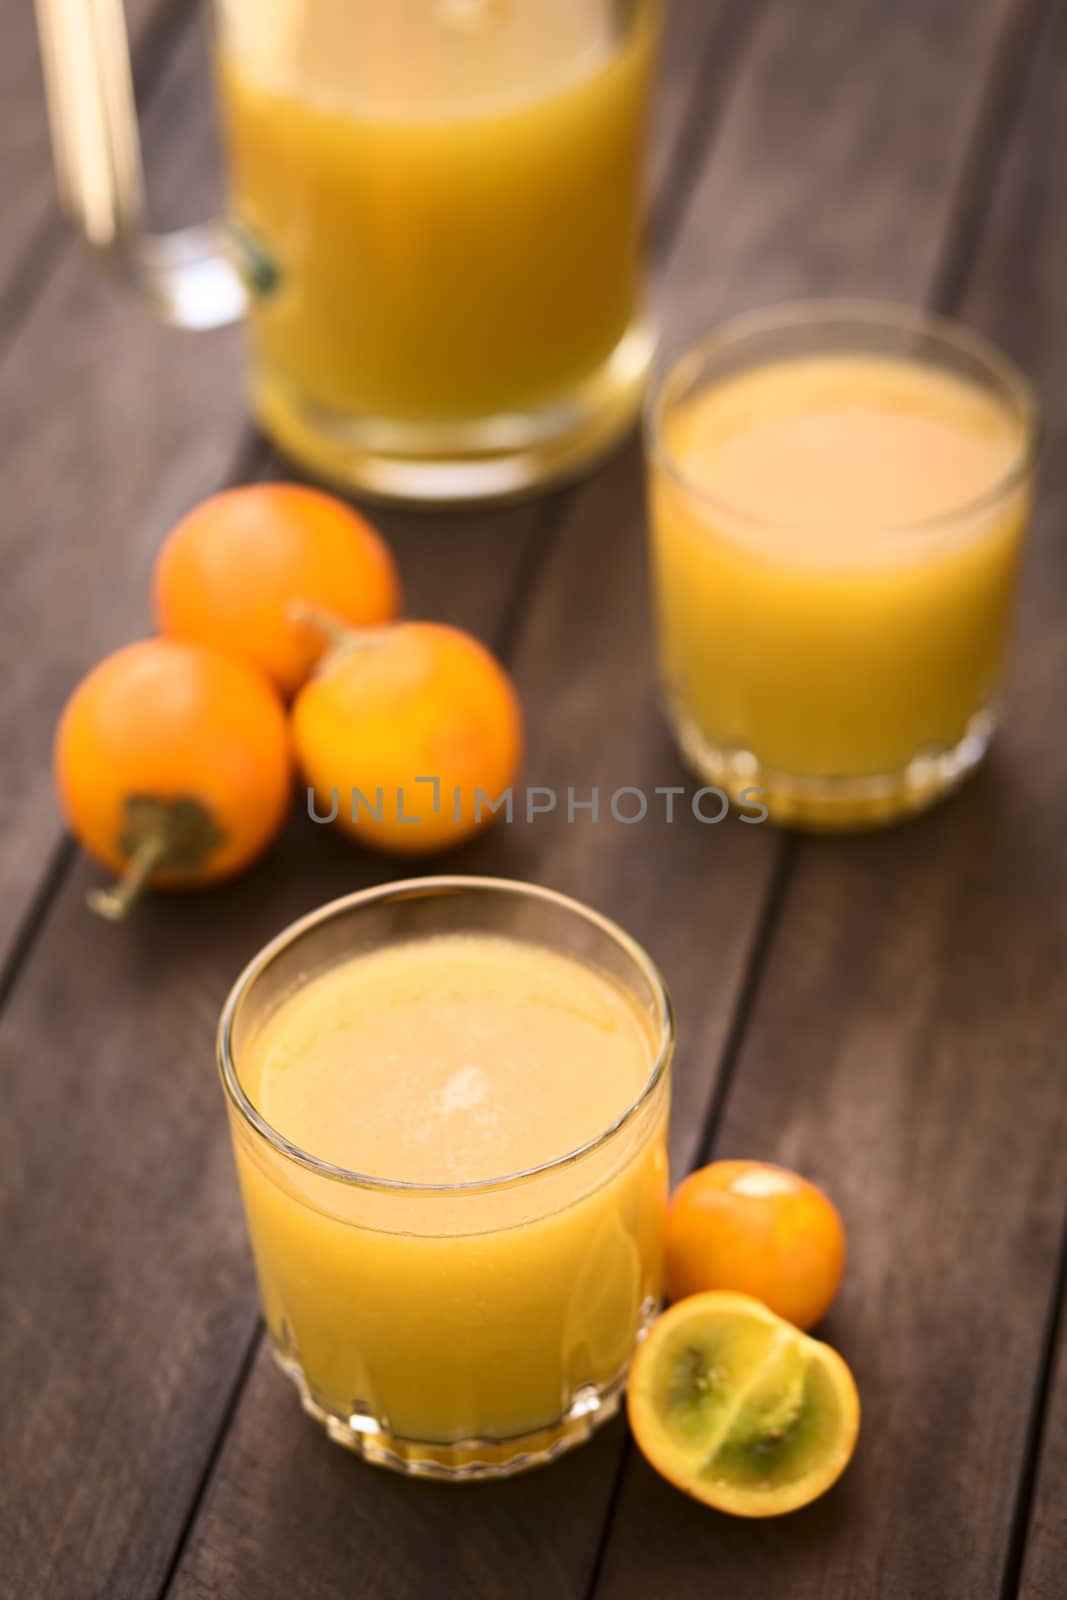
836 539
447 193
471 1307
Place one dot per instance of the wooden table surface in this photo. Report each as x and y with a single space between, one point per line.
887 1013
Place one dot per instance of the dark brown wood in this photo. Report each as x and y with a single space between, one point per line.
906 1050
841 143
694 894
312 1527
33 234
1029 232
1043 1535
112 427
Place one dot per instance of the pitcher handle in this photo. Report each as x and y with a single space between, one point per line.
188 277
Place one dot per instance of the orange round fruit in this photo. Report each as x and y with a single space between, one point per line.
237 570
409 737
737 1408
759 1229
173 765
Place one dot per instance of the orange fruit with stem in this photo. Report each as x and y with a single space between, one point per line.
408 736
230 573
173 767
737 1408
760 1229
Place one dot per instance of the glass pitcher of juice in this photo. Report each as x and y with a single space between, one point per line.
433 224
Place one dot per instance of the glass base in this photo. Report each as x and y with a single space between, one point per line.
466 1460
836 803
490 458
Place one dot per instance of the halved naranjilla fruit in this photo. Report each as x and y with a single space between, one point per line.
740 1409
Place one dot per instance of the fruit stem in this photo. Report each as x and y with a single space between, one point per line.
341 637
113 903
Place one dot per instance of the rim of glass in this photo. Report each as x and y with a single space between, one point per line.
873 315
413 889
632 18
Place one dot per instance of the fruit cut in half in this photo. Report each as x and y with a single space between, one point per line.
739 1409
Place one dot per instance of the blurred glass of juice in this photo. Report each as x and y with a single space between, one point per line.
839 496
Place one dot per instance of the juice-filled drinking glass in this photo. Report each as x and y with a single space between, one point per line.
448 1102
839 497
434 224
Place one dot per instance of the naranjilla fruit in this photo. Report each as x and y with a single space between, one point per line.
760 1229
407 736
738 1409
235 572
173 766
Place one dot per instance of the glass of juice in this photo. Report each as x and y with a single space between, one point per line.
839 495
434 225
448 1100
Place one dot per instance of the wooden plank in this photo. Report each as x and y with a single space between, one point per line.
907 1052
1044 1554
693 893
134 1307
113 426
314 1526
1029 229
34 237
848 138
